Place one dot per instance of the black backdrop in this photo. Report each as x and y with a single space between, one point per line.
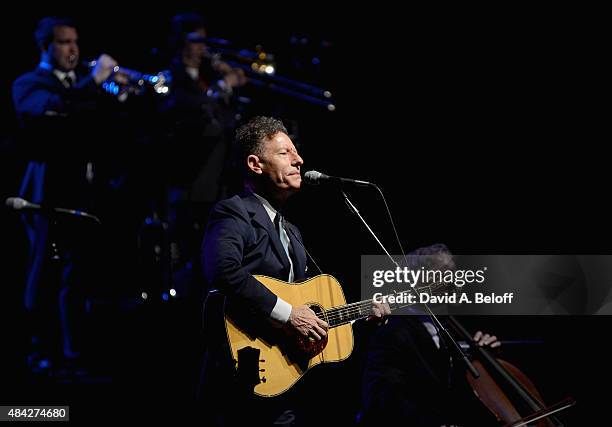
484 128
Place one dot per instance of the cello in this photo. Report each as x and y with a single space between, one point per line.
506 391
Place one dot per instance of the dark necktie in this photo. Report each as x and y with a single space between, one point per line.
68 81
284 238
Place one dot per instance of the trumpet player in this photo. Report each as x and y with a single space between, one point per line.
58 108
56 87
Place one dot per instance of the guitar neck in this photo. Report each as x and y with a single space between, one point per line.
341 315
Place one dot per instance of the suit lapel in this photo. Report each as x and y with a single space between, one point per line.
261 217
49 78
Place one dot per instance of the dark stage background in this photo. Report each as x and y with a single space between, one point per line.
484 128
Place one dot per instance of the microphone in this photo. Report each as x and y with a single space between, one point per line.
18 204
316 178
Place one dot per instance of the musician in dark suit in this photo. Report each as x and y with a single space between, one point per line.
247 235
200 116
58 90
412 376
409 377
56 104
200 111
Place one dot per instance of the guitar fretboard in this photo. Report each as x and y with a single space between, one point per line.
337 316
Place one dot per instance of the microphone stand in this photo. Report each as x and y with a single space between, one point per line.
58 261
56 254
438 324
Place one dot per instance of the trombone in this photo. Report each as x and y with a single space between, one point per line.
260 68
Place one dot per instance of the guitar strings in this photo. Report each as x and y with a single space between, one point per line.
349 310
353 308
339 313
334 314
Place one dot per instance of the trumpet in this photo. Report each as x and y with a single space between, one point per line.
135 81
260 69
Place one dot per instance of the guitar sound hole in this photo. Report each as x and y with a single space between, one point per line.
318 311
308 345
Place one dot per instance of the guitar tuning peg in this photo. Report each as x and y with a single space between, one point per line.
263 379
262 370
262 360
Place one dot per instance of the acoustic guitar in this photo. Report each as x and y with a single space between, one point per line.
278 359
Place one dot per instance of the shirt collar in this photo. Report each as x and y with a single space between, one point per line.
61 75
267 206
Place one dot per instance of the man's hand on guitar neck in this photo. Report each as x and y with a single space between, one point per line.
305 322
379 312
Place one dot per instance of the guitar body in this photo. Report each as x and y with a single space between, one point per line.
283 359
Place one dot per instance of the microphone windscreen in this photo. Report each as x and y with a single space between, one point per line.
312 177
14 203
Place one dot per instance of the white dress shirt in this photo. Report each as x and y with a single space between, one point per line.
282 309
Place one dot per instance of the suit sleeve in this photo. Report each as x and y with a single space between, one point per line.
395 383
33 99
223 250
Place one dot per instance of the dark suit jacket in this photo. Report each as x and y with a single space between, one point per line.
39 92
65 128
58 122
241 241
406 378
409 381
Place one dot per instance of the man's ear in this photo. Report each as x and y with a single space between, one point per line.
254 163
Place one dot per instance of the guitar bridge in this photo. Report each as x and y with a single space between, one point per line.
248 367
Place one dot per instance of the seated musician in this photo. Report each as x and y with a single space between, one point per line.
412 375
